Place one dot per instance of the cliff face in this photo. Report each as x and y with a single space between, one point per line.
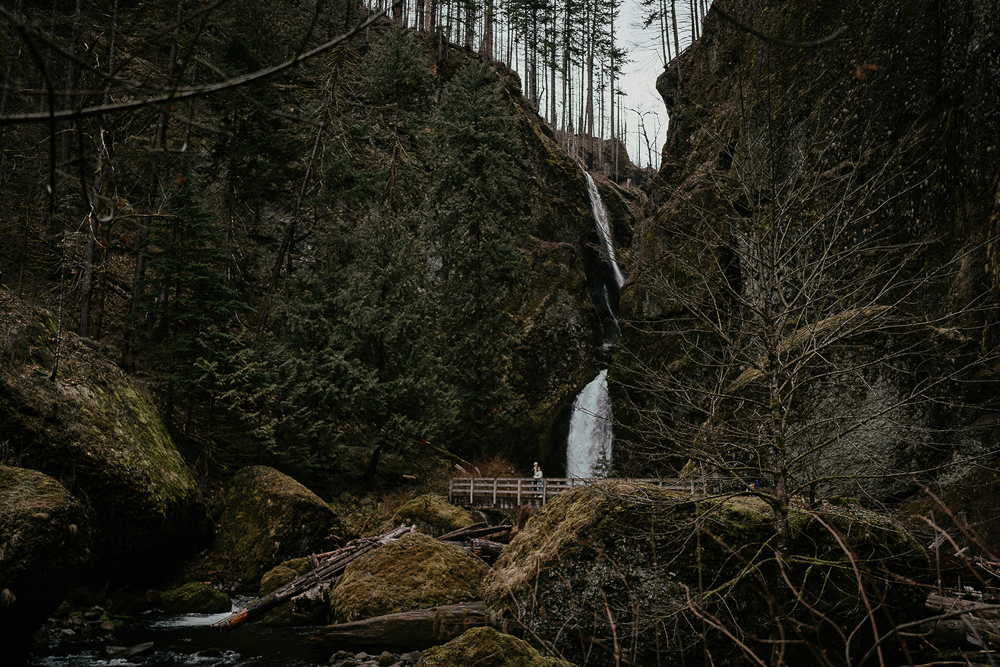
874 122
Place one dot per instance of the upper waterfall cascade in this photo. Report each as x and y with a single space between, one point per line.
603 227
591 432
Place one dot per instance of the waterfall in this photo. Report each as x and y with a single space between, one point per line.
603 227
591 431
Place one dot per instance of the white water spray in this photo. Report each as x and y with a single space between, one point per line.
591 432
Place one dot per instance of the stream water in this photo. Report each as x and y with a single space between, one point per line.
188 639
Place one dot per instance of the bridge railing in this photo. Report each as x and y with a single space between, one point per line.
513 492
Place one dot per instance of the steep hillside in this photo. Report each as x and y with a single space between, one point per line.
812 297
379 251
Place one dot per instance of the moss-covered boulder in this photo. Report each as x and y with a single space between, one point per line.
414 572
94 430
486 647
658 562
282 574
43 544
431 514
269 518
195 598
295 611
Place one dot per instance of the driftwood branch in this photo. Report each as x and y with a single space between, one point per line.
408 630
328 570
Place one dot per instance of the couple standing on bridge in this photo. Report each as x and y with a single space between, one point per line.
537 474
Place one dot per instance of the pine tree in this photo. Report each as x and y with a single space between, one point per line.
356 366
476 213
188 304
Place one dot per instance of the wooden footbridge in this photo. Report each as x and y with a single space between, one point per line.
514 492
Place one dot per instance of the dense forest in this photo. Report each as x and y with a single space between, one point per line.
307 235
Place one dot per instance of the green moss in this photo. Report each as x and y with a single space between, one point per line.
413 572
195 598
269 518
486 647
616 547
431 514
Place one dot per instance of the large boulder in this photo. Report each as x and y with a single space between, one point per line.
414 572
95 430
485 647
431 514
665 576
269 518
44 536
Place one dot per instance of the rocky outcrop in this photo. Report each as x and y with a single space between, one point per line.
269 518
414 572
44 536
95 430
785 112
485 647
663 576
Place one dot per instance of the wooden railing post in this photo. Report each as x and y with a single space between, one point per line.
519 480
494 492
472 489
545 491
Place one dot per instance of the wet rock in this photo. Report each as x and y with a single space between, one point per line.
270 518
44 546
414 572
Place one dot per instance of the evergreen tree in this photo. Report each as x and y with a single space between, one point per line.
477 212
357 362
189 306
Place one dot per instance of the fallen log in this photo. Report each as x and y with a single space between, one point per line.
327 570
476 530
487 550
980 609
404 631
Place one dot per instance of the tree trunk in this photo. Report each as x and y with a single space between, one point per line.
403 631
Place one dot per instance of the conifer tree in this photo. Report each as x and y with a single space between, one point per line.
477 211
188 304
356 366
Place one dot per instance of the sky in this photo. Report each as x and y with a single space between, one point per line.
639 84
639 81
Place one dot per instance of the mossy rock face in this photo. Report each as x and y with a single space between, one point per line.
270 518
486 647
643 554
95 431
43 544
195 598
414 572
431 514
